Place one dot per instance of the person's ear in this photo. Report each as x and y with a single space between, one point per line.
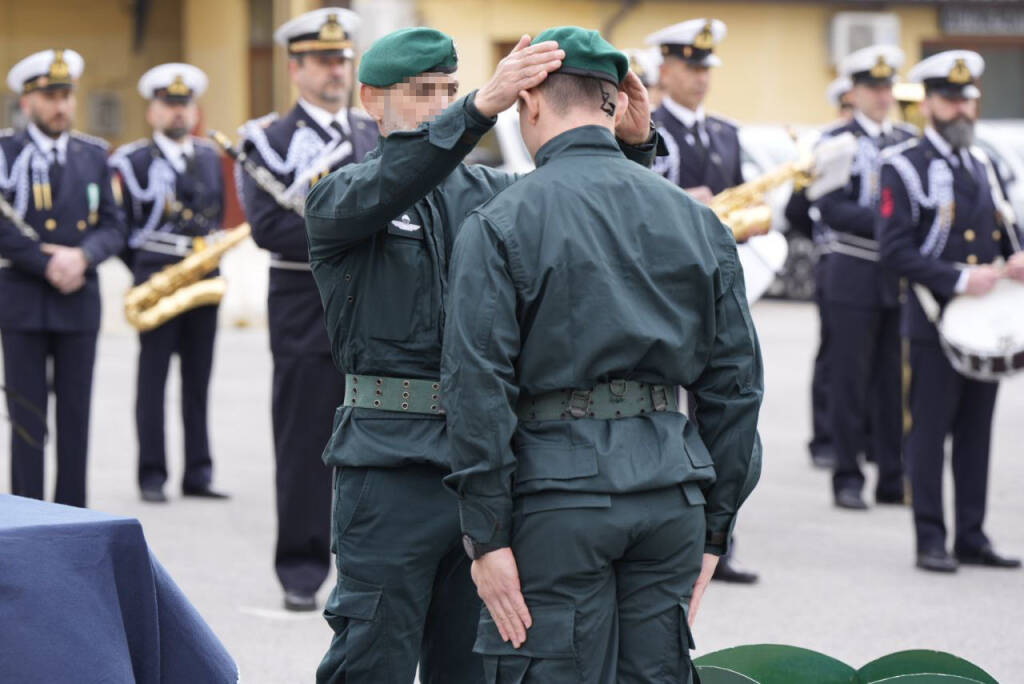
621 106
530 106
372 102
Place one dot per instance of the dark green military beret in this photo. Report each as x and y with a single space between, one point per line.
405 53
587 54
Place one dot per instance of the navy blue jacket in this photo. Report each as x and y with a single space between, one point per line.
295 312
720 168
854 276
158 232
925 250
83 214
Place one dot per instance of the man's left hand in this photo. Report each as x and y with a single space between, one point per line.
66 268
707 568
1015 266
635 126
497 582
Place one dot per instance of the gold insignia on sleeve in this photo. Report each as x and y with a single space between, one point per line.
178 87
705 40
959 74
881 69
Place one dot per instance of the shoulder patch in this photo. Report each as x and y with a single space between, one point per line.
91 140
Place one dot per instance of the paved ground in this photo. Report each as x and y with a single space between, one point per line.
842 583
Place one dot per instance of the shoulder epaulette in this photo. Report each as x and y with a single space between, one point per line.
91 139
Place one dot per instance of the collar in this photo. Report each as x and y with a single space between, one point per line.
324 118
954 157
174 151
870 127
688 117
587 139
55 150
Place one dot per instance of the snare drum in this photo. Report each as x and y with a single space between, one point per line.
983 337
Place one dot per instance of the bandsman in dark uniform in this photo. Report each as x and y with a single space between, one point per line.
380 239
66 222
862 298
173 193
581 298
946 227
320 133
703 150
801 218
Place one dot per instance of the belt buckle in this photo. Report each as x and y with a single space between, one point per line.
659 398
579 402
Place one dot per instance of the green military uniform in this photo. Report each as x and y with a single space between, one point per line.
380 236
595 275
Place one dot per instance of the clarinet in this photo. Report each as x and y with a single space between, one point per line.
8 212
260 174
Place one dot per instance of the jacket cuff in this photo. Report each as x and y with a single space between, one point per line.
487 521
644 153
460 123
719 533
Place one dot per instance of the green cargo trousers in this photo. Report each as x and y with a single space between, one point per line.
403 594
608 588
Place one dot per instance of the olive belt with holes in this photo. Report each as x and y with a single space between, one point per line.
404 395
606 401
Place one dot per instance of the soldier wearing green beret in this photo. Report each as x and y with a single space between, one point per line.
581 299
380 236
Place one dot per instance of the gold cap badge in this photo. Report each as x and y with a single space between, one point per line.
705 40
178 88
959 74
881 69
332 30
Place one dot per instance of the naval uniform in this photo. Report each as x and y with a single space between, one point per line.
702 149
63 190
297 150
381 233
592 285
862 317
171 197
938 216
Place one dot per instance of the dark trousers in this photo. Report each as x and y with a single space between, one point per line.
608 592
25 376
190 336
306 391
821 439
943 402
404 594
864 366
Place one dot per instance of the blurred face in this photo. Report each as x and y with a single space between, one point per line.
52 111
324 80
404 106
953 118
846 106
685 83
174 120
873 101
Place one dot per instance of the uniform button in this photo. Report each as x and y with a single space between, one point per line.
186 214
51 224
997 235
972 259
81 225
969 235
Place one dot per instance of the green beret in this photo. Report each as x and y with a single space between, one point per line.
587 54
409 52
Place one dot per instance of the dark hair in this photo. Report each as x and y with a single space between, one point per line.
566 91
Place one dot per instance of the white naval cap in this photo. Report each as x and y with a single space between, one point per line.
876 64
693 41
950 74
329 29
45 70
646 62
837 88
173 82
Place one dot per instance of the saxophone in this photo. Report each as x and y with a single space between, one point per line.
180 287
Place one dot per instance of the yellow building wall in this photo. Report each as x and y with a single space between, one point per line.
775 56
102 31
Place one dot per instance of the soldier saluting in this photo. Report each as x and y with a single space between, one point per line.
173 197
65 222
319 134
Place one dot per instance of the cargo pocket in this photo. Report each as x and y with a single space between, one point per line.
350 486
359 648
547 655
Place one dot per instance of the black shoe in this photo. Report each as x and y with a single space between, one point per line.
728 571
204 492
300 603
988 557
936 560
153 495
850 499
826 460
892 498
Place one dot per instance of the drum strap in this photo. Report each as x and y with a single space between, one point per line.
1004 210
927 300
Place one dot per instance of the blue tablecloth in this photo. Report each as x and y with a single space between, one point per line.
83 600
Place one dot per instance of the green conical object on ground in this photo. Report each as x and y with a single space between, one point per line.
778 664
918 663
